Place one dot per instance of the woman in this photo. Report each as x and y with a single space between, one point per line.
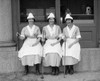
71 47
30 53
52 47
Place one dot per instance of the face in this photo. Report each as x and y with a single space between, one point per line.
31 20
51 21
68 21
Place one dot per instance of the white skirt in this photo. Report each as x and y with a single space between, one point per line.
52 49
52 60
28 49
30 60
68 60
74 51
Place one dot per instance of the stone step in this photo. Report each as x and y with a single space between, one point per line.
9 61
84 76
6 49
7 46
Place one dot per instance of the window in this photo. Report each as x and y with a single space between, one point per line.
79 9
39 8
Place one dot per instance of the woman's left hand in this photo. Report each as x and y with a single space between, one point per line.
53 44
35 44
70 45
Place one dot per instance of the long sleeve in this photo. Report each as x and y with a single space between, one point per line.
60 32
39 33
23 33
78 35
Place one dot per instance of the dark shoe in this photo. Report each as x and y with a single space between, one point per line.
67 70
25 73
57 70
37 69
71 70
53 71
26 70
37 72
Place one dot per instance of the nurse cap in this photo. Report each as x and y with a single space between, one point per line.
51 15
30 15
68 17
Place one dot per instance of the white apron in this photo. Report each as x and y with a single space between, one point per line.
52 49
48 48
74 51
27 48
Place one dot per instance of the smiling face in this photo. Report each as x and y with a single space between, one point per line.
31 20
69 21
51 20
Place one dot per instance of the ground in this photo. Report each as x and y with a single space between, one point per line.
81 76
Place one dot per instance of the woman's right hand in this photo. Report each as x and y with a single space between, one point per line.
35 44
21 37
64 38
17 34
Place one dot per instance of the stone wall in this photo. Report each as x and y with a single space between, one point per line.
5 21
9 62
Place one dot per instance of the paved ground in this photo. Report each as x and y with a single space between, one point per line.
84 76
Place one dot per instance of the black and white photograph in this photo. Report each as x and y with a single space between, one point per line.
49 40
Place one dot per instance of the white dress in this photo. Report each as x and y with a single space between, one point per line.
72 55
29 54
52 54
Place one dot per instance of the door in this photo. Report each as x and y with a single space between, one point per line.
86 20
83 12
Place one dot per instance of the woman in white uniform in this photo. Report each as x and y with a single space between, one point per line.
30 52
52 47
71 47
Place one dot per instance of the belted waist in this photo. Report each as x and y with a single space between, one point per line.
52 39
31 38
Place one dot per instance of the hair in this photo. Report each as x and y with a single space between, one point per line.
32 18
53 18
69 19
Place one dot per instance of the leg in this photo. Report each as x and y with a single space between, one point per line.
57 70
53 71
37 69
26 70
67 69
71 69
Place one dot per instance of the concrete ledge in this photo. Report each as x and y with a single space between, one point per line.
90 61
9 62
7 44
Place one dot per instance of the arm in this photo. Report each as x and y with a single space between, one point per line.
56 42
77 40
43 35
22 35
59 37
37 42
78 37
38 37
65 35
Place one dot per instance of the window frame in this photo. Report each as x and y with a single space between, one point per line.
79 21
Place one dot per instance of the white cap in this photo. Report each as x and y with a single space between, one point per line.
51 15
68 17
30 15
